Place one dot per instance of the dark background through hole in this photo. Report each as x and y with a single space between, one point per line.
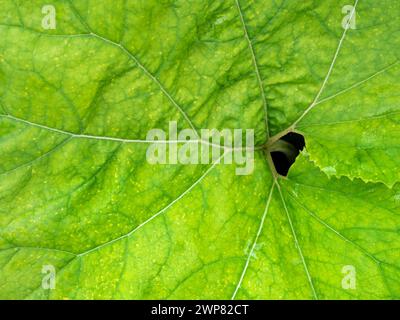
281 162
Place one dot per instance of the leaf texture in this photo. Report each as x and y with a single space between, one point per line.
76 190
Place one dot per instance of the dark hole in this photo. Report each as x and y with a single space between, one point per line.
283 159
281 163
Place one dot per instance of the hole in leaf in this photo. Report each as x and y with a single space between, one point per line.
285 151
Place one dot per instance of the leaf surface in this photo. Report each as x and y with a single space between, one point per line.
76 190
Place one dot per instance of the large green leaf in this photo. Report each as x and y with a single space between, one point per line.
76 190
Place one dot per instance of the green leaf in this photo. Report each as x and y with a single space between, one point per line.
78 194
